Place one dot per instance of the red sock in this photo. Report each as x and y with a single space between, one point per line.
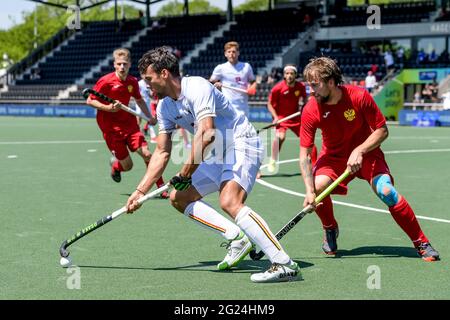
160 182
117 166
146 126
404 215
326 215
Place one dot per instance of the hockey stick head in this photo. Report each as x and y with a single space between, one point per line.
256 255
63 252
87 91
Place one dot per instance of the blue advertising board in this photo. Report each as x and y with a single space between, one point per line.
257 114
421 118
45 110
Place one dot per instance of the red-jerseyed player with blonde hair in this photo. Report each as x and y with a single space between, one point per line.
353 129
286 98
120 129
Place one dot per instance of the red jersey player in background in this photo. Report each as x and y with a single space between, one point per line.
286 97
120 129
353 129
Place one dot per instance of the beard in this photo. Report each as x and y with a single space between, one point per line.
290 82
322 99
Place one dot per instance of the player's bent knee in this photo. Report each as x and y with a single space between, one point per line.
281 136
176 201
385 190
181 199
229 205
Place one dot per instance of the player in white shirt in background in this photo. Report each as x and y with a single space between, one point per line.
236 74
237 151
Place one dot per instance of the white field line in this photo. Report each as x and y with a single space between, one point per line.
50 142
298 194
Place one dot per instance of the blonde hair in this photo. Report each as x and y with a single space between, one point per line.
323 69
122 53
231 44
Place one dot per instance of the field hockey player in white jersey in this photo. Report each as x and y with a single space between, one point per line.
236 77
194 104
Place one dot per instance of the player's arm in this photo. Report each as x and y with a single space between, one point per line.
155 169
112 107
252 87
204 136
272 111
373 141
306 169
143 105
272 104
251 81
310 121
216 77
216 83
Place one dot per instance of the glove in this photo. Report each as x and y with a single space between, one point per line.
180 183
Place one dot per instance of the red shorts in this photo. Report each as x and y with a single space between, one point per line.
295 127
373 164
119 142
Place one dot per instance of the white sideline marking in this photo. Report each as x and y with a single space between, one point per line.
92 150
50 142
12 156
385 152
298 194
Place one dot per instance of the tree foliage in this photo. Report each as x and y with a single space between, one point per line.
19 40
175 7
252 5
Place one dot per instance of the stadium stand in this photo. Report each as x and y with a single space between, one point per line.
83 52
391 13
260 34
264 37
180 33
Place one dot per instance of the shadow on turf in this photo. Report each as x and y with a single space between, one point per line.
281 175
385 251
246 266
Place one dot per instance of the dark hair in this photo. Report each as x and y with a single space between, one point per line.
323 69
159 58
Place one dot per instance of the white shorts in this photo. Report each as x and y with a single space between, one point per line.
242 162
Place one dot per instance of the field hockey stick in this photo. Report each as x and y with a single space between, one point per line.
279 121
250 91
299 216
86 92
83 232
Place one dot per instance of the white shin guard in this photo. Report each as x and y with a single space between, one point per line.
208 217
259 233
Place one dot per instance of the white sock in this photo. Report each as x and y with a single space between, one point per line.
259 233
208 217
